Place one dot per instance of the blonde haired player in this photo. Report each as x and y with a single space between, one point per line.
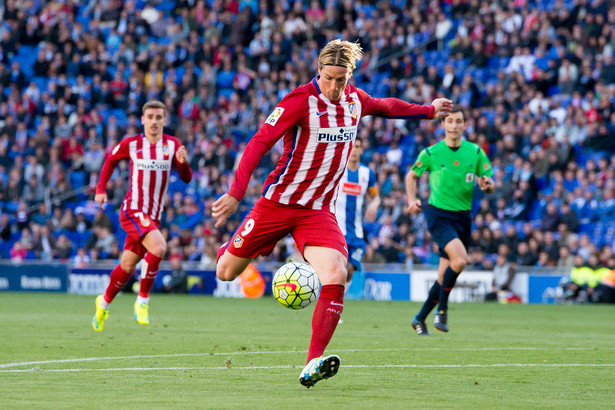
318 123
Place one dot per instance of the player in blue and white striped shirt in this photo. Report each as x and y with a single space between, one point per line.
357 182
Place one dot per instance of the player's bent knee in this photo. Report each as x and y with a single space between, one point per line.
459 264
159 250
128 267
225 273
333 276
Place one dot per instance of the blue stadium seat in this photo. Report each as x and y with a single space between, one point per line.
77 179
553 90
5 249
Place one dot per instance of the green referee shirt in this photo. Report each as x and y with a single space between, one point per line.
452 173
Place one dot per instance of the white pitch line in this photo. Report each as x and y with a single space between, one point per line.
93 359
358 366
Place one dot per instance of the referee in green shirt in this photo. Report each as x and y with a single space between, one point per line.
454 166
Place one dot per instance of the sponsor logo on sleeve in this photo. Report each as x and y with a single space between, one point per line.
275 116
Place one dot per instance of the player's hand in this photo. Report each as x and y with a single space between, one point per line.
180 154
486 184
443 107
223 208
101 199
370 213
416 206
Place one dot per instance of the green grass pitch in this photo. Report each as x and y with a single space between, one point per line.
205 352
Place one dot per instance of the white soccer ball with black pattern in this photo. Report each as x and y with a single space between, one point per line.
295 285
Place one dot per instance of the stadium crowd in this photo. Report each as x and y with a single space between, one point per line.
537 80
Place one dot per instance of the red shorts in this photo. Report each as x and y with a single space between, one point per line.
136 225
269 221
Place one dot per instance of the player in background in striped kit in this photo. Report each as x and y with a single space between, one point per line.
152 156
318 124
358 182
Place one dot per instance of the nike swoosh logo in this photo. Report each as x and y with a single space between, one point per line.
318 114
292 286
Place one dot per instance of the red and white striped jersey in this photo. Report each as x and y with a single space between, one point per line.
150 169
318 135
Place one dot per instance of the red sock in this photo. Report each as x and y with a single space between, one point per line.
326 317
119 278
149 270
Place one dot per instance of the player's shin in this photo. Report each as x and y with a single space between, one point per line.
118 280
448 283
149 270
326 317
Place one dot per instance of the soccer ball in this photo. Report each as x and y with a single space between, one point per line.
295 285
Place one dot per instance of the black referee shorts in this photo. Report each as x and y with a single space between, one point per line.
444 226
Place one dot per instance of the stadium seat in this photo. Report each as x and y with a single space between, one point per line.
5 249
77 179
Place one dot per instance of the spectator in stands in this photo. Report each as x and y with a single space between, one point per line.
45 246
82 259
503 275
177 280
64 247
604 292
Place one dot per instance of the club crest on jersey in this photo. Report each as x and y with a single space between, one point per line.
352 109
469 177
274 116
486 166
165 150
238 242
336 134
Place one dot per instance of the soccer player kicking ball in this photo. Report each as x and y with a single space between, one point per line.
152 155
318 124
454 165
358 182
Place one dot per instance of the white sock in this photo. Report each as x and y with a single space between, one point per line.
103 303
141 300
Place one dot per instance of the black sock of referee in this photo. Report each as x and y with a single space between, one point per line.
430 303
448 283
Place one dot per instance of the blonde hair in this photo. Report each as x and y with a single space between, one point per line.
154 104
340 53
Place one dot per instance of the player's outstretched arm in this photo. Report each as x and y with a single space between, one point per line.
443 107
223 208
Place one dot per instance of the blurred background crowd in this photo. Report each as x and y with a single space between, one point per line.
537 80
